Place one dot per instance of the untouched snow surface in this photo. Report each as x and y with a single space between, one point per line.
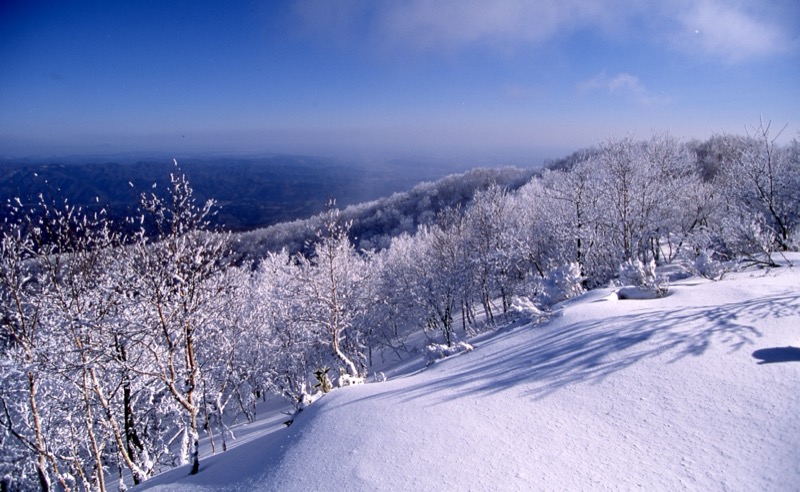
699 390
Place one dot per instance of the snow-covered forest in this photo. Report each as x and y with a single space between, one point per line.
123 344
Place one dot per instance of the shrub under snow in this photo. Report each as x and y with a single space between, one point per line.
525 308
643 278
562 283
707 266
436 351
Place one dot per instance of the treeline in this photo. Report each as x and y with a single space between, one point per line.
118 351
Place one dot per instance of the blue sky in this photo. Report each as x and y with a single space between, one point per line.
500 79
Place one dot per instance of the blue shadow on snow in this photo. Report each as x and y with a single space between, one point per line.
777 354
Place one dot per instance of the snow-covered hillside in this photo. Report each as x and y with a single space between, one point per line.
699 390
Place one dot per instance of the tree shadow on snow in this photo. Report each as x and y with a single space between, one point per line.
777 354
588 351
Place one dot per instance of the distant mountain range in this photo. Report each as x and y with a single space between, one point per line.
252 192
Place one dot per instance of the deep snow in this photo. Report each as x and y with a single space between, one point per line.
699 390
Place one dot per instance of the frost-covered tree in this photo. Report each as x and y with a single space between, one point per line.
333 296
624 200
488 248
63 315
678 202
441 268
247 337
629 197
53 306
174 285
226 358
540 229
286 346
398 309
25 350
77 304
572 197
637 210
761 181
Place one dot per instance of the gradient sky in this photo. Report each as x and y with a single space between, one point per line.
491 78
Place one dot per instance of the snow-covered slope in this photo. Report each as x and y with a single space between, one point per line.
699 390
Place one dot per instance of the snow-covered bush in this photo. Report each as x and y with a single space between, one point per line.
707 266
746 235
525 308
561 283
760 181
348 380
436 351
643 276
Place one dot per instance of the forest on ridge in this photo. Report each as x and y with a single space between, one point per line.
122 343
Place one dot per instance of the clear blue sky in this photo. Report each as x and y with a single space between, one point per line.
324 76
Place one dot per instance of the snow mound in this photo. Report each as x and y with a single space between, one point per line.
638 293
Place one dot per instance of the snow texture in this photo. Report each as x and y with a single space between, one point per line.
697 391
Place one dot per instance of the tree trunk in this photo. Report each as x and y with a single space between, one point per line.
41 460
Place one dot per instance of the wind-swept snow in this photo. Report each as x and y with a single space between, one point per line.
697 390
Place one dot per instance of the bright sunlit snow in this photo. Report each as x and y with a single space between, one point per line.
697 390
